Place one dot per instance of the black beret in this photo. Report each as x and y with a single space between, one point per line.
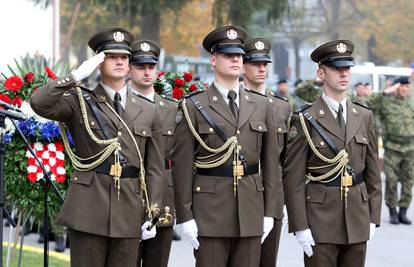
402 80
112 40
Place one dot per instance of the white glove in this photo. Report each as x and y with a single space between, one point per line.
305 239
147 234
285 219
372 227
267 227
190 232
88 66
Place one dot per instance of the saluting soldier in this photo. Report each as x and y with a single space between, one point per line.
143 71
224 203
255 69
331 175
119 164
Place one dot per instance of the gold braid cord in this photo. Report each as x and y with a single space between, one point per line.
339 161
230 148
112 146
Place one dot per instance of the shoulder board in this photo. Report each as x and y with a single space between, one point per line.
168 98
254 92
194 93
278 96
359 104
303 108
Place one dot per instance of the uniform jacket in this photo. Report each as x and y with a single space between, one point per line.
320 207
167 111
281 112
91 203
210 200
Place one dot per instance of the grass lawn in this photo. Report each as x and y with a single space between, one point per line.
33 259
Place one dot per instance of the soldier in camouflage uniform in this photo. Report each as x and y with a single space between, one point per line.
395 109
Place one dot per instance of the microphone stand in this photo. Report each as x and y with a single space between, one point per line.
46 182
3 210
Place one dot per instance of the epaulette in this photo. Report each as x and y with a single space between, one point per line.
168 98
278 96
303 108
355 101
194 93
141 96
73 91
254 92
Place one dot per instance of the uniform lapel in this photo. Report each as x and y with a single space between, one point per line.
325 117
353 120
218 104
132 108
247 107
103 98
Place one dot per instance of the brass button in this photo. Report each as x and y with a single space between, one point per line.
308 197
133 100
211 130
63 81
59 82
279 129
169 132
198 189
247 98
270 100
75 178
321 112
92 123
67 79
161 103
238 131
364 139
144 132
260 128
322 143
354 110
119 134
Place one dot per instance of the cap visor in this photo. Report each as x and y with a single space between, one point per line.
117 51
258 59
340 63
143 61
230 50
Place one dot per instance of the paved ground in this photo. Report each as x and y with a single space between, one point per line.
391 246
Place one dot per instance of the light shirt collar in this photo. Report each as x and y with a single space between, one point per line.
263 91
150 96
111 93
334 105
224 92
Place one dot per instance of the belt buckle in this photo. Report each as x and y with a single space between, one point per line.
116 170
346 181
238 169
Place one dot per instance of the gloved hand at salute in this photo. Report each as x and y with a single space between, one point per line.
305 239
88 66
148 234
190 232
268 223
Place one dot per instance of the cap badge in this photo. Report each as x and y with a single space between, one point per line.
232 34
259 45
145 47
118 36
341 48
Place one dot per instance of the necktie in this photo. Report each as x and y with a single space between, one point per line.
232 103
117 104
340 117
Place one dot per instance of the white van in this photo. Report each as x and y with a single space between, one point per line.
376 75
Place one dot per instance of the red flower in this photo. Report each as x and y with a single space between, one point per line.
13 83
188 76
5 98
161 73
179 82
50 73
29 77
17 101
177 93
192 87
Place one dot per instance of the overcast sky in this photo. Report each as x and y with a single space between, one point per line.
24 29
